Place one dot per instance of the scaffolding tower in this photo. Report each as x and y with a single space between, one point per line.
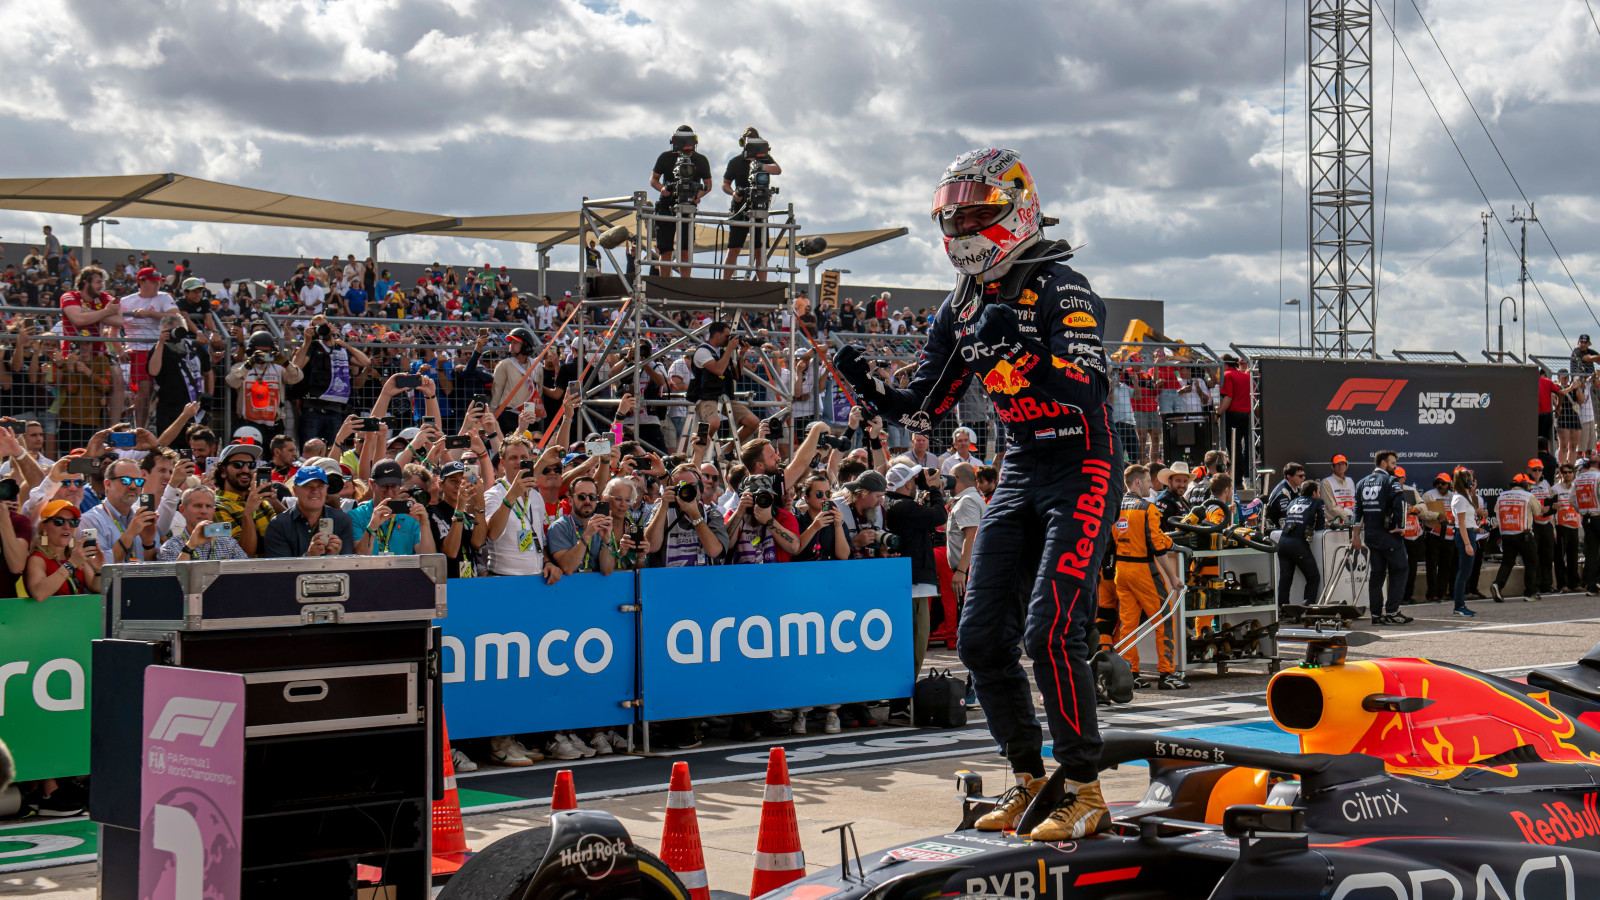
643 296
1339 108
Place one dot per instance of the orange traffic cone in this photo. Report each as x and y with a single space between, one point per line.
680 837
779 859
564 795
449 839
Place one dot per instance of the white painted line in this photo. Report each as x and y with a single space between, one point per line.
1471 628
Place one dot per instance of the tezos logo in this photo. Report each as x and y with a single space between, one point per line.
1335 426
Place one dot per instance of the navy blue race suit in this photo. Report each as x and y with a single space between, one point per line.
1380 507
1302 517
1033 340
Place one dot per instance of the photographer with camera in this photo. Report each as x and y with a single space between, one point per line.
861 510
180 370
261 381
325 359
683 176
681 529
746 179
913 512
716 366
762 531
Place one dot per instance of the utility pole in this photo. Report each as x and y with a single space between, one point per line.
1485 217
1523 277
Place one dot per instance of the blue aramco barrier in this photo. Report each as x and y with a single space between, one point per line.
734 639
522 656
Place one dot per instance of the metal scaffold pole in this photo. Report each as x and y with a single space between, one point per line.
1339 133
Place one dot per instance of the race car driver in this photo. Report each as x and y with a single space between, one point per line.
1146 574
1380 512
1029 328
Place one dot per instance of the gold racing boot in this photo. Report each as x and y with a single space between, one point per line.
1082 812
1011 806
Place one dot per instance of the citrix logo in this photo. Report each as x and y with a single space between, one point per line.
204 719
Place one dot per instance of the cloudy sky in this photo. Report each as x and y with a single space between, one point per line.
1154 128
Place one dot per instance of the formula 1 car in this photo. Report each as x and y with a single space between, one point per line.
1417 780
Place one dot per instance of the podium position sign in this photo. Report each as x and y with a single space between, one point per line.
192 786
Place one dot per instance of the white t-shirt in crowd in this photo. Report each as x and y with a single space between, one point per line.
142 333
312 297
949 461
519 550
965 512
808 386
547 317
679 369
1461 508
1195 399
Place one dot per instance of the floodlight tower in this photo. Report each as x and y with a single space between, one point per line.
1339 107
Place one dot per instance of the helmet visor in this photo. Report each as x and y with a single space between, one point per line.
953 206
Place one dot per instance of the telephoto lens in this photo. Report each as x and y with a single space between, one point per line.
687 492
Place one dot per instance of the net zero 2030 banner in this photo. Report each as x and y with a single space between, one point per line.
1435 415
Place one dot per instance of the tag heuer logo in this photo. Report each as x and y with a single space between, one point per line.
1335 426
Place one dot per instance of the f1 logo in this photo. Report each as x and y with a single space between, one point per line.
1377 392
187 715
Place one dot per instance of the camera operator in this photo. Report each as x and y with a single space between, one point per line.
761 530
862 512
325 359
681 530
676 174
716 366
751 199
261 381
913 511
181 372
821 526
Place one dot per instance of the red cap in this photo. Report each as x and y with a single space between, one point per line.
148 273
177 268
1442 476
1520 479
1536 463
1339 458
1400 471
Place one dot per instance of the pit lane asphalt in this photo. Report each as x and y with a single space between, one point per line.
899 799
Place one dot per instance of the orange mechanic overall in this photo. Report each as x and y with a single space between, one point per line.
1141 586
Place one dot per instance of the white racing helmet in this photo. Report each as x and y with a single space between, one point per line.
996 179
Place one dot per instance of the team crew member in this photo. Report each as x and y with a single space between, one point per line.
1301 518
1029 328
1544 526
1464 515
1146 574
1174 482
1568 576
1339 490
1379 524
1586 497
1284 493
1438 542
1514 509
1411 535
